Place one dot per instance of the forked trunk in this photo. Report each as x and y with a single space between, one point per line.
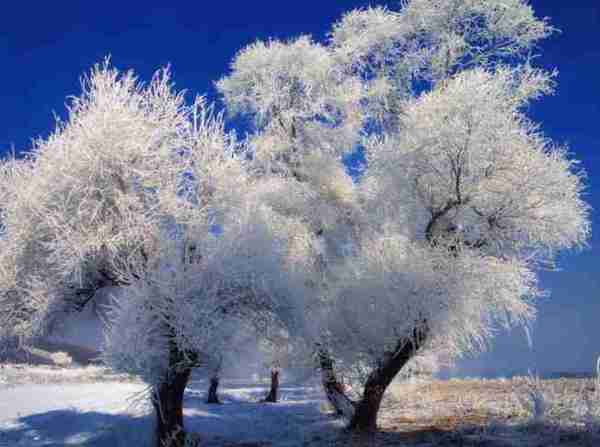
367 409
365 415
273 393
334 390
213 397
167 401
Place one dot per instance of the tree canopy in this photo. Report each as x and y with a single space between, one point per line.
437 244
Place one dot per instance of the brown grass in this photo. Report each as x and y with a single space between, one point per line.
477 412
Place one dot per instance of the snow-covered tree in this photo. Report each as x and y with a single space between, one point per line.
463 198
93 198
235 350
398 53
177 315
299 100
437 245
139 190
468 197
79 201
308 114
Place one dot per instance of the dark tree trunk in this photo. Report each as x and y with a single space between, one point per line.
168 402
334 390
273 393
213 398
365 416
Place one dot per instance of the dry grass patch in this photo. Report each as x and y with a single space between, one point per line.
492 413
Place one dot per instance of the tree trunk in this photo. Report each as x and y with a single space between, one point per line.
273 393
334 390
365 416
213 398
167 401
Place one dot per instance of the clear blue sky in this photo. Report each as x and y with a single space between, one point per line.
46 46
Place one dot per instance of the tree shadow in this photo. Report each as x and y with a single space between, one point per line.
296 421
241 420
58 428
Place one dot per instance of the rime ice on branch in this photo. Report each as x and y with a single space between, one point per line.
141 191
438 243
463 198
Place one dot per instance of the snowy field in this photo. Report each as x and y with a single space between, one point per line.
44 406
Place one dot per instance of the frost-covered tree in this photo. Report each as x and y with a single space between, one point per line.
80 201
399 53
86 202
308 115
438 243
177 314
468 196
236 348
463 198
139 190
93 199
301 103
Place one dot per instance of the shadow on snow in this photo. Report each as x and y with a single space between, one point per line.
296 420
58 428
242 421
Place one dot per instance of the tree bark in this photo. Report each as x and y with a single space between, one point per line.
272 397
367 409
168 402
213 398
365 416
334 390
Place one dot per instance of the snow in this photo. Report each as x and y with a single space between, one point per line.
66 414
115 413
52 407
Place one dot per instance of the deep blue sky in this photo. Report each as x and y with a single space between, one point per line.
46 46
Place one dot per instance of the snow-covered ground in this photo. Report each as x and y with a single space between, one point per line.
67 414
49 406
